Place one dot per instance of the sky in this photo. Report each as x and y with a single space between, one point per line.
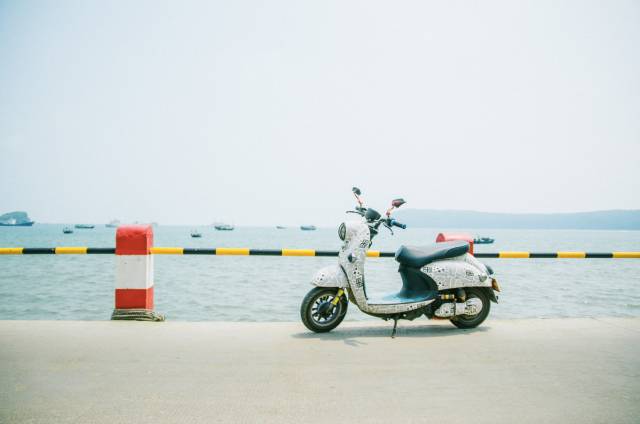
265 113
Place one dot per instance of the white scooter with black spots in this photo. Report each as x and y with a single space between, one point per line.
439 281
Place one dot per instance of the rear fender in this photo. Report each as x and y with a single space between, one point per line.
331 276
490 294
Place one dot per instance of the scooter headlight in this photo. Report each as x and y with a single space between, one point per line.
342 231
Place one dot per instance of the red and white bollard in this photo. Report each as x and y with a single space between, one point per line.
134 274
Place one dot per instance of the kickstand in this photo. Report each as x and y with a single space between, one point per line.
395 326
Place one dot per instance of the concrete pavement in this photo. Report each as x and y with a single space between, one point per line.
517 371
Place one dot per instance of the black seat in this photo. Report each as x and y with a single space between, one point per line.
416 257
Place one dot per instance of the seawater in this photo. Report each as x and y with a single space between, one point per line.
255 288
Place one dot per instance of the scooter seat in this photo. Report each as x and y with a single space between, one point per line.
417 257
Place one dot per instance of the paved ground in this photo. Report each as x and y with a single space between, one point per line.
526 371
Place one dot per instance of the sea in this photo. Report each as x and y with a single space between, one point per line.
265 288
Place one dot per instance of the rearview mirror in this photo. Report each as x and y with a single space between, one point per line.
396 203
356 191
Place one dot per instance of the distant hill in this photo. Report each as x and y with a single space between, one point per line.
597 220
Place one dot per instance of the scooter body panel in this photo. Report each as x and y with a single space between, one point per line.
461 271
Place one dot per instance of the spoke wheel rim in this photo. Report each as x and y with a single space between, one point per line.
318 311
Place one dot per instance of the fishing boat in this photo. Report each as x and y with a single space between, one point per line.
113 224
223 227
84 226
13 223
483 240
280 227
196 234
308 227
67 230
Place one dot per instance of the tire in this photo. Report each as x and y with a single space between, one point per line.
333 316
472 321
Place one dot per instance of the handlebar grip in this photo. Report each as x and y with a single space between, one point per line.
395 223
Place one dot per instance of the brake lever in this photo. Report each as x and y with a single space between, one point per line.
388 227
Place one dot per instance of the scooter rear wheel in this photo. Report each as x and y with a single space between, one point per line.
317 312
472 321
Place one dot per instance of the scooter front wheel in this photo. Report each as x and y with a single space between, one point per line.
317 311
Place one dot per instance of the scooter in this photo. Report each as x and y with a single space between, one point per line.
440 281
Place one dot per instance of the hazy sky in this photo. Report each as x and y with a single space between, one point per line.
269 112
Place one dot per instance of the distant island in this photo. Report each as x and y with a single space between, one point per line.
597 220
15 219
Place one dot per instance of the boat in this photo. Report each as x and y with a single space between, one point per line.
113 224
308 227
196 234
483 240
13 223
84 226
280 227
15 219
67 230
223 227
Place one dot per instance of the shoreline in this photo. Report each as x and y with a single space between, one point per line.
529 370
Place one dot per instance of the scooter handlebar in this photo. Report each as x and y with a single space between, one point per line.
395 223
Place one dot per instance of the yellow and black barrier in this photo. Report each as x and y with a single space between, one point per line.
63 250
221 251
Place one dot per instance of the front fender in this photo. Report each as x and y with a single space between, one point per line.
331 276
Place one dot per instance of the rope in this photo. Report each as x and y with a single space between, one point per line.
136 315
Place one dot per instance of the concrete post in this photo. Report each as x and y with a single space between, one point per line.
134 274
